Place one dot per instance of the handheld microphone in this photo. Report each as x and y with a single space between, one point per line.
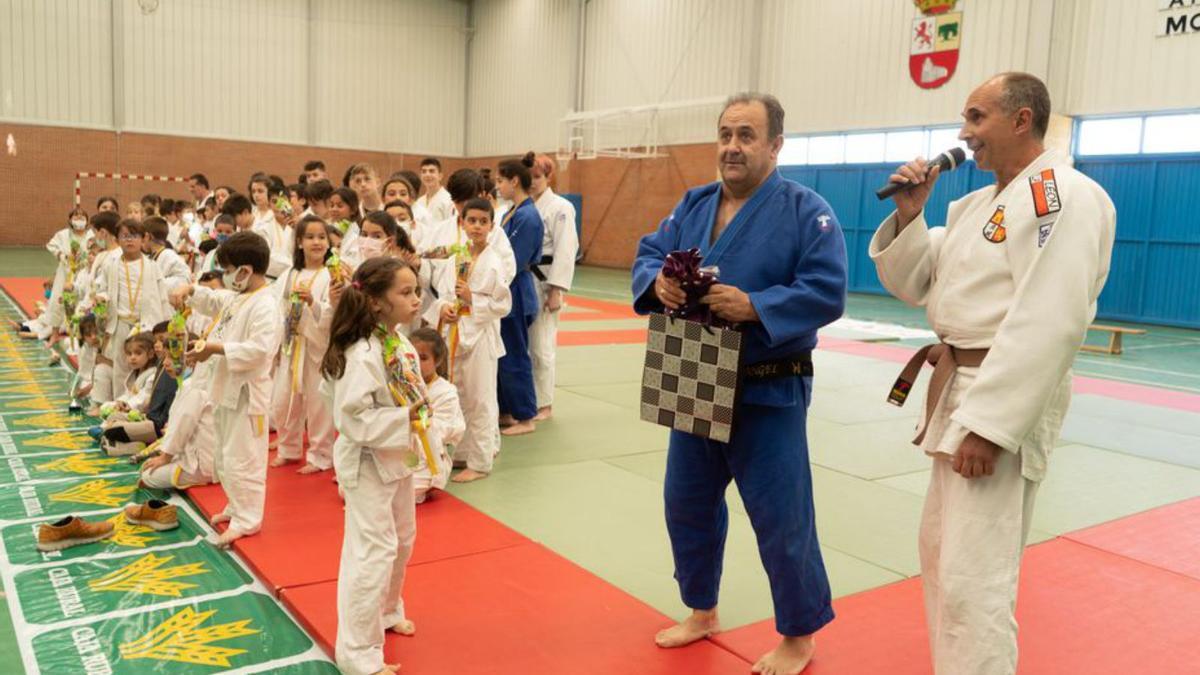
947 161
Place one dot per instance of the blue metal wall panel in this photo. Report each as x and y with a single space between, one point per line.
850 190
1155 274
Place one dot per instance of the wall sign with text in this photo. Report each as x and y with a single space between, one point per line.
1178 17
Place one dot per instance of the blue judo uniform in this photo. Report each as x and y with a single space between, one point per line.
785 249
515 389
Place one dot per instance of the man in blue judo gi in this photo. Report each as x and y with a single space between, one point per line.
782 275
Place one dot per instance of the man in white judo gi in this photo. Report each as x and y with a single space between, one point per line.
1010 286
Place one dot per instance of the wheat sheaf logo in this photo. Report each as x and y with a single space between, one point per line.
148 576
181 638
101 492
84 463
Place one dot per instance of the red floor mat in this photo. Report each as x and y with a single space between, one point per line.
1081 610
598 310
577 338
1166 537
27 291
301 538
520 610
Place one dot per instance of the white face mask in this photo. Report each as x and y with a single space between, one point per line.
189 217
79 225
229 279
370 248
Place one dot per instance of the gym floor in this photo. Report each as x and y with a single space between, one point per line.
588 487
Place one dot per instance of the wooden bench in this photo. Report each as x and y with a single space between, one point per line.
1114 338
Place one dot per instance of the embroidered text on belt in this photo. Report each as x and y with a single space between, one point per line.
945 361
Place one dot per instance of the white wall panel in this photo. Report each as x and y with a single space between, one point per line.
844 65
641 53
1118 64
227 68
391 74
55 61
522 74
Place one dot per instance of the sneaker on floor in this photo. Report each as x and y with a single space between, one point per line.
154 514
71 531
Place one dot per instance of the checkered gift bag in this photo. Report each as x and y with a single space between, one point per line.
691 377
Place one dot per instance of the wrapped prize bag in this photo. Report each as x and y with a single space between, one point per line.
692 375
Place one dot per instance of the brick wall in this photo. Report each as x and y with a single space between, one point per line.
623 199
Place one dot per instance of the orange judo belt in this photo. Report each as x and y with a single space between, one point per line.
945 361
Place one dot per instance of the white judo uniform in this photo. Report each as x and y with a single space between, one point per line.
281 240
248 325
446 429
440 207
138 388
295 403
60 245
560 244
373 457
476 356
189 437
135 301
174 273
437 274
1017 272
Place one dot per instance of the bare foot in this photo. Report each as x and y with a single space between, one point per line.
469 475
309 468
226 539
791 657
507 421
543 414
519 429
389 669
218 518
280 460
406 628
701 624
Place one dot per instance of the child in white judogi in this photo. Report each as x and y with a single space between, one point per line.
377 446
446 419
295 404
554 274
186 448
69 247
470 312
132 286
244 341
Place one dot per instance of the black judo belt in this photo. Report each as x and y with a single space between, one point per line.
797 365
537 269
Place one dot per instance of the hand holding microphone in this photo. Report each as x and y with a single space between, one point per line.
912 183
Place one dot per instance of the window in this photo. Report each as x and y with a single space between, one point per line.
1172 133
865 148
876 147
827 149
941 140
795 151
1113 136
904 145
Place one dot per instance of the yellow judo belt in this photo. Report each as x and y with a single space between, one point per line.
418 425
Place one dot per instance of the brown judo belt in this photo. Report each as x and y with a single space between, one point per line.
945 361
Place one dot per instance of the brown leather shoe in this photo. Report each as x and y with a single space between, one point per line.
71 531
154 514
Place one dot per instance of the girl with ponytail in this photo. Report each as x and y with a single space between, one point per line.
373 382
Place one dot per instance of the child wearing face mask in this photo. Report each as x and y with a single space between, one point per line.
223 228
303 295
242 344
69 246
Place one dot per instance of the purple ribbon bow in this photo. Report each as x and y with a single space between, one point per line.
684 267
